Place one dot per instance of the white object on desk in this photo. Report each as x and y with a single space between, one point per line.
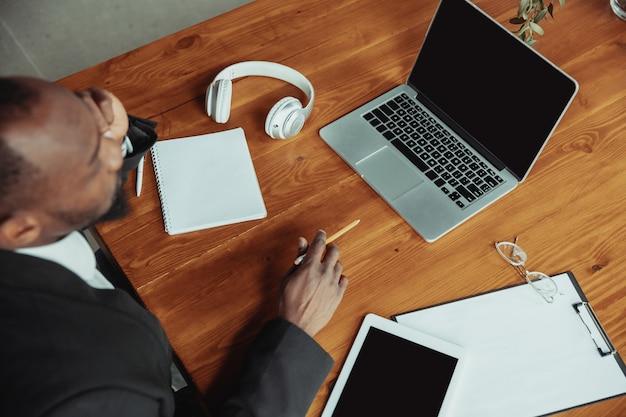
206 181
525 357
392 370
139 182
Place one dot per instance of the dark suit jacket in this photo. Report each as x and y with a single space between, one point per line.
67 349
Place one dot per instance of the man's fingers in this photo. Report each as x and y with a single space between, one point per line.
332 254
101 109
302 246
343 283
317 246
108 111
338 268
102 99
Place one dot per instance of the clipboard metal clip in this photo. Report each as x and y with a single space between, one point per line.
597 332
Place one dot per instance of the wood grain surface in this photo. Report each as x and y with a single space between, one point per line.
213 289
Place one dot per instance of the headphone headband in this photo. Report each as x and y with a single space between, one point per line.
271 70
285 119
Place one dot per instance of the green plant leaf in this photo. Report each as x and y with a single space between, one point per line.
523 5
536 28
529 14
540 16
525 28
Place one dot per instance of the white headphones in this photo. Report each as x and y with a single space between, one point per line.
286 117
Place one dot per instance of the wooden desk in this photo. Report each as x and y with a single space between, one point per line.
213 289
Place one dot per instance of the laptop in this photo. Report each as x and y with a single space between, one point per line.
475 113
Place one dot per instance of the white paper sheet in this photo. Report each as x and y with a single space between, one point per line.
525 357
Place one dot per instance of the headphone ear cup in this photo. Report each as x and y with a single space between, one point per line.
210 100
285 119
218 100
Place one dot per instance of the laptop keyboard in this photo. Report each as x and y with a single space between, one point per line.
453 167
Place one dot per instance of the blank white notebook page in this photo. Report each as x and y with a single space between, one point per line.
206 181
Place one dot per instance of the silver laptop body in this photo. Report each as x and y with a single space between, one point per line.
486 106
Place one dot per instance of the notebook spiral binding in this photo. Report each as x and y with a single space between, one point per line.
159 183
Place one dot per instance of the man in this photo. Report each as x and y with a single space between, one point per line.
71 344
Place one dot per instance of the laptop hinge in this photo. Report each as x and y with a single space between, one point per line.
467 137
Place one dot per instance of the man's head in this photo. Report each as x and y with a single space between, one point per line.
60 159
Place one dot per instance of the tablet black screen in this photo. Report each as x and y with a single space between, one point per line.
395 377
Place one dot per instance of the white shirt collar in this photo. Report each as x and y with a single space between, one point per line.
74 253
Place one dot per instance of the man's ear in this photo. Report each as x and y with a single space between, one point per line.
19 231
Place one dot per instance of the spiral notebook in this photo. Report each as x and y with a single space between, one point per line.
206 181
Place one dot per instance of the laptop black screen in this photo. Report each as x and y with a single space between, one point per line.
501 92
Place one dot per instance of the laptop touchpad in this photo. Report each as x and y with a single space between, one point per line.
389 174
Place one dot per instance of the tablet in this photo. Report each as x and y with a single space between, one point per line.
393 370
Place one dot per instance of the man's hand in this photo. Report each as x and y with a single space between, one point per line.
312 291
108 110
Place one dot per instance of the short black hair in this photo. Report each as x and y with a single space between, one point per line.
17 174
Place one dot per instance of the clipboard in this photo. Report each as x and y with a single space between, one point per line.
526 357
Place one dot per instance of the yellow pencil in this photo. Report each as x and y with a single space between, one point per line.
343 231
333 237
